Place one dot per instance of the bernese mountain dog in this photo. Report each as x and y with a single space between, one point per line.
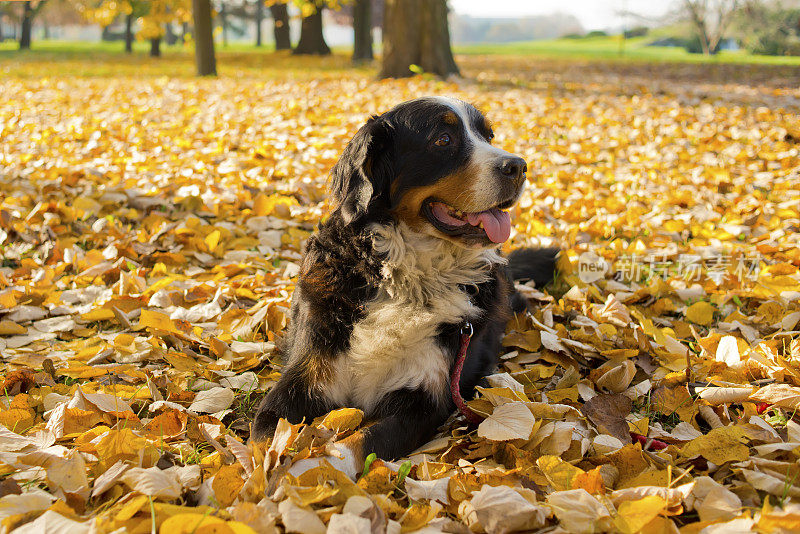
408 255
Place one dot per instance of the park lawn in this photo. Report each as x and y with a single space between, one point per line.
609 48
615 48
151 226
108 59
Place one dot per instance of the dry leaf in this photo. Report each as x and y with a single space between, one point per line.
634 515
578 512
212 400
509 421
502 509
701 313
299 520
720 445
608 413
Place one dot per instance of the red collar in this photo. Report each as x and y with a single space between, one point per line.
455 376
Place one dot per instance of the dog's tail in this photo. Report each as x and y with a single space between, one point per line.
537 264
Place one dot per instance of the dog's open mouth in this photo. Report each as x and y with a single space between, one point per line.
494 223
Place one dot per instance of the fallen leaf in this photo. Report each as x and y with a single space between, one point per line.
502 509
608 413
634 515
212 400
701 313
720 445
509 421
578 512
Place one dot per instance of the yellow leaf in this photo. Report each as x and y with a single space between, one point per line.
630 461
167 424
633 515
261 205
343 419
227 484
98 314
86 206
125 343
677 400
268 205
701 313
558 396
307 495
720 445
559 474
79 421
17 419
131 508
120 445
379 479
202 524
10 328
418 515
212 240
326 474
157 320
530 340
649 478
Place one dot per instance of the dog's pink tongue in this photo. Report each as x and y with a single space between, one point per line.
496 224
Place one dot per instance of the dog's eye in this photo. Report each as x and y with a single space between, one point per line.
443 140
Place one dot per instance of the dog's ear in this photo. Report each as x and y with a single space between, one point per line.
362 174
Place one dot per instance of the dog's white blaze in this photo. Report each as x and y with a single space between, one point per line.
395 346
484 155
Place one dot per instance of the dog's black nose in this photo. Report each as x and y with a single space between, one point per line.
513 167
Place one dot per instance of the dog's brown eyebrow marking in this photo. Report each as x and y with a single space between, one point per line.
450 118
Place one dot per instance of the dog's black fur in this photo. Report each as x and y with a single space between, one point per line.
394 161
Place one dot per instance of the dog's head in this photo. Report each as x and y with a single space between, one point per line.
430 163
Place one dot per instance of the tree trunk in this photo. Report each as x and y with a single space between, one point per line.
280 17
46 27
106 35
27 27
362 31
416 32
437 56
155 47
223 19
204 38
259 20
129 33
311 39
184 32
170 37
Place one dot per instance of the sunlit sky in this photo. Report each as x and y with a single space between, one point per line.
592 14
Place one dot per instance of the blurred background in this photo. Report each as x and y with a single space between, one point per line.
413 36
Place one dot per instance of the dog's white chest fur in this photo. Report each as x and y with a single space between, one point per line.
394 346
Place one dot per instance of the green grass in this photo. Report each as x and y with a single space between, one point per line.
139 47
614 48
109 59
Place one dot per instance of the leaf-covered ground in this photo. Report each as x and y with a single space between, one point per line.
150 231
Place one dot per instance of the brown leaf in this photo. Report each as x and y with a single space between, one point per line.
608 413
